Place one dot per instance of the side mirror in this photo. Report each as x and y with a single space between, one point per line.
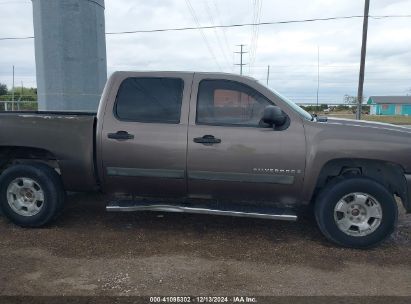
274 116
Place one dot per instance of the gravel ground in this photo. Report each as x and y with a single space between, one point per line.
90 252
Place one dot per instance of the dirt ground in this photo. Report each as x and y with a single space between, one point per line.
91 252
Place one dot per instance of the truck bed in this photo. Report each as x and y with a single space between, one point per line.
68 136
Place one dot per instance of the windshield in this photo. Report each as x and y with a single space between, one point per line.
303 113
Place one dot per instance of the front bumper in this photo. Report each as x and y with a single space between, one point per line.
407 203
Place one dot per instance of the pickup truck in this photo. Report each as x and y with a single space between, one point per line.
211 143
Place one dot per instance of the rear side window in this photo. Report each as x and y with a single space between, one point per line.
149 100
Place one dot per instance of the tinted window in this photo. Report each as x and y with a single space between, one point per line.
223 102
150 100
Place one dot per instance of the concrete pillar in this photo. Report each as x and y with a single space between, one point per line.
70 50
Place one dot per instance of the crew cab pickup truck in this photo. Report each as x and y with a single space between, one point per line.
210 143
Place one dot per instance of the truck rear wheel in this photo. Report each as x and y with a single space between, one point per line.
31 195
356 212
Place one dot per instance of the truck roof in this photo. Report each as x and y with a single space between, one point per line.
176 73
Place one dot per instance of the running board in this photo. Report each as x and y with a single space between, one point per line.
265 212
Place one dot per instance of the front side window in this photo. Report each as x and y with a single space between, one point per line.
224 102
149 100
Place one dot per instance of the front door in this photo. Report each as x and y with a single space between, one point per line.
231 156
144 135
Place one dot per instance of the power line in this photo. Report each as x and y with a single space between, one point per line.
193 14
254 20
16 38
223 30
234 25
328 80
259 23
255 31
220 45
348 65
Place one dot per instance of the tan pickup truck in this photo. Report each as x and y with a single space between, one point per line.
209 143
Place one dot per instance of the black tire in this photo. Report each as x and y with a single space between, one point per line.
329 197
51 185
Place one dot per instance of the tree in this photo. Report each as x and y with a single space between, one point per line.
352 100
24 94
323 107
3 89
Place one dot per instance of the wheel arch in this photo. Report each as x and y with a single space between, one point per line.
10 155
389 174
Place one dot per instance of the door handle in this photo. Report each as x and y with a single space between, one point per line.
207 140
120 135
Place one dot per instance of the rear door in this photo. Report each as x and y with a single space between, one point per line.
144 134
230 156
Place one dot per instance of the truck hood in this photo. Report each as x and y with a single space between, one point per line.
347 138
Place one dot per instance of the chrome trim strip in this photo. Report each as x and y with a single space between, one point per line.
139 172
171 208
241 177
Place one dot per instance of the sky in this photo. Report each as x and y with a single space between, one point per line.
291 50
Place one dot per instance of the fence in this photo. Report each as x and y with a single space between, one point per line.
18 105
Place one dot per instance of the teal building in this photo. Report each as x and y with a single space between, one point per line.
390 105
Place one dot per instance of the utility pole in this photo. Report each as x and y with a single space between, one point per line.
241 52
363 54
268 74
12 93
318 73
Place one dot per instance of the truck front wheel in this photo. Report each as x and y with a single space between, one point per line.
31 195
356 212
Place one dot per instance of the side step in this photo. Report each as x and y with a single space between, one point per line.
240 211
